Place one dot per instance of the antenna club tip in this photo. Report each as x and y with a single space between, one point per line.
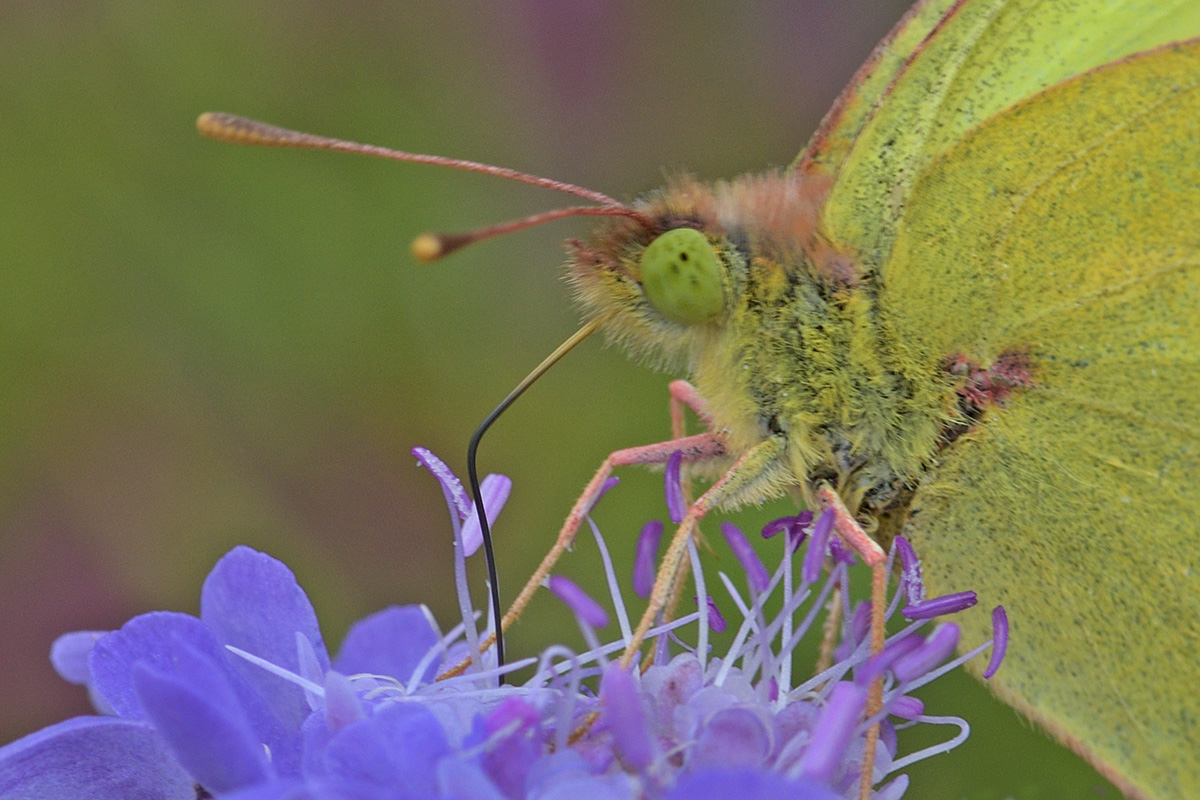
213 124
225 127
428 247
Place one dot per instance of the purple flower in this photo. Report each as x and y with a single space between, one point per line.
245 702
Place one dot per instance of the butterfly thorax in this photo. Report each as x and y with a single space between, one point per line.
797 351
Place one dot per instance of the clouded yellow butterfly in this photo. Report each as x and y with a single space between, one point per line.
972 307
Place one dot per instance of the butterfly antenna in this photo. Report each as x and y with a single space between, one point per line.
429 246
432 246
473 473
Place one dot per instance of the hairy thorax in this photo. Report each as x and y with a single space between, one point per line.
799 351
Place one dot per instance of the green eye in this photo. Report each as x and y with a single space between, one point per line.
681 276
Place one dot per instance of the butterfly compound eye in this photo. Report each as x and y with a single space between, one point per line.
681 276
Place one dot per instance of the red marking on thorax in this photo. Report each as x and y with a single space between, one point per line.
992 385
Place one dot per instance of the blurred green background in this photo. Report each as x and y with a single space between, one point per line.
203 345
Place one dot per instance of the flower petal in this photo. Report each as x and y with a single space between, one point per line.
463 777
745 784
252 601
389 642
150 639
154 640
732 737
195 710
398 748
98 758
69 655
494 489
625 718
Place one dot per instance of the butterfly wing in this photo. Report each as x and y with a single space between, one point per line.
845 119
948 67
1068 229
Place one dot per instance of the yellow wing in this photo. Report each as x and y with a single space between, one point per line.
1068 228
946 68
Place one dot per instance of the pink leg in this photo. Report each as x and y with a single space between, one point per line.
694 448
872 554
684 394
746 469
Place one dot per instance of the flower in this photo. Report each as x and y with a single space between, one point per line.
245 702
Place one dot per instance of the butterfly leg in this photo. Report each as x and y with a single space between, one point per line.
872 554
694 448
683 395
752 464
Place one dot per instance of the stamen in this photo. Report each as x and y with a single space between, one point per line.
647 553
756 573
910 572
715 620
456 496
576 599
676 507
907 707
610 574
933 651
937 606
999 640
811 571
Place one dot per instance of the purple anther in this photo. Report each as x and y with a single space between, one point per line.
647 554
999 640
815 557
796 527
609 482
860 623
676 507
892 651
839 552
937 606
451 486
583 606
910 572
716 622
906 707
756 573
934 651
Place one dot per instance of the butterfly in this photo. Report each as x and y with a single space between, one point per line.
969 313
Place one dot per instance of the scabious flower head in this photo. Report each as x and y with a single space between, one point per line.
245 702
